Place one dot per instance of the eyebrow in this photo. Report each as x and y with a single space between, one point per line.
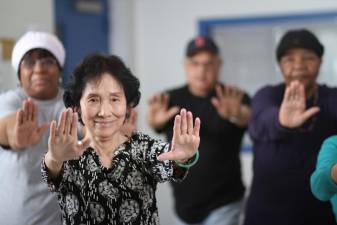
117 94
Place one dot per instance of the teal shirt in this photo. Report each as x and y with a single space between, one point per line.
322 185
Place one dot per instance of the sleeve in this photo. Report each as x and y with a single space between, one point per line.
322 185
169 124
163 170
53 184
265 125
10 102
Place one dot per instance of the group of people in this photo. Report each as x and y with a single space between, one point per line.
75 154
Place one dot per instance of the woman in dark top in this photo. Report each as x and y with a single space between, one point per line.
111 178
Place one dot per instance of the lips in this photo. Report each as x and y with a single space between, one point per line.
103 123
41 82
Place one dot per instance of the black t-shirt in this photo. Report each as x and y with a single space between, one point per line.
216 179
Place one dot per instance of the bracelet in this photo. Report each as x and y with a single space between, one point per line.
189 164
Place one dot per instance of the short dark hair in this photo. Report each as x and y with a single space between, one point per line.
93 67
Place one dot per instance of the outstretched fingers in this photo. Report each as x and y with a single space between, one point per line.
310 112
183 121
69 121
177 125
73 130
196 129
189 123
53 132
19 117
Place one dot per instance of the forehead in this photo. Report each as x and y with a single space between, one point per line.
203 55
299 51
38 53
104 84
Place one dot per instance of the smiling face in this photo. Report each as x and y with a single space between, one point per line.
103 107
302 65
39 74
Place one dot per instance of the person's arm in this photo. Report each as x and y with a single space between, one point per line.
323 180
230 103
185 140
171 162
20 130
5 123
159 112
264 124
63 143
273 118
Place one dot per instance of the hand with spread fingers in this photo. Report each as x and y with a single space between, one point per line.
63 143
293 112
159 113
228 104
26 130
186 139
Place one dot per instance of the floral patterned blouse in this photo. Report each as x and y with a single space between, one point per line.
89 193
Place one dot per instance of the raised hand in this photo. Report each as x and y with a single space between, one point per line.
228 104
186 139
293 111
130 123
159 113
26 130
63 143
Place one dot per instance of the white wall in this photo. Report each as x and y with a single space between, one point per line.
16 17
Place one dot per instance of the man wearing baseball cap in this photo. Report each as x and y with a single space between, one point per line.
289 123
37 58
212 193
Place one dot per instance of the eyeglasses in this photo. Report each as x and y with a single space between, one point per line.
47 62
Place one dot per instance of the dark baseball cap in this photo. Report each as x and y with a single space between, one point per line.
201 43
301 38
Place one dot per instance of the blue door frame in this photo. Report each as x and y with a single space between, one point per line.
82 31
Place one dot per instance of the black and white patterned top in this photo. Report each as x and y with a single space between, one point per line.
89 193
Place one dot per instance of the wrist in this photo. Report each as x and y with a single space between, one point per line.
51 162
187 163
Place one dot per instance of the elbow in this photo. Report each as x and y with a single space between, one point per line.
318 188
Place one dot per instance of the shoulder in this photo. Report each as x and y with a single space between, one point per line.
177 91
270 90
11 100
12 95
332 140
327 91
328 148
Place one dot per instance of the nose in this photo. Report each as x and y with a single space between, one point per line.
298 63
37 67
201 69
104 109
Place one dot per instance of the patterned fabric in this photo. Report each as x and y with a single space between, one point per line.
89 193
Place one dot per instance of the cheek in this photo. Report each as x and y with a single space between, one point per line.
120 109
24 78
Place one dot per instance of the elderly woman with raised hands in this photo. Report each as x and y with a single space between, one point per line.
109 177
